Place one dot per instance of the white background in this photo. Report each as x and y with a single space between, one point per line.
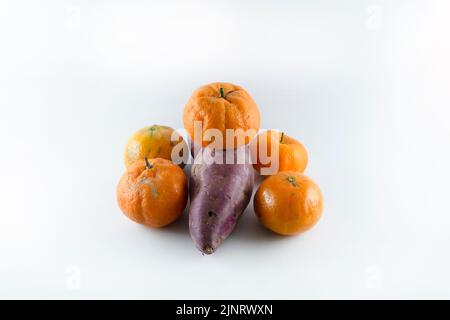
363 84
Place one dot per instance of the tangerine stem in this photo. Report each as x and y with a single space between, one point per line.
222 93
292 181
282 136
148 164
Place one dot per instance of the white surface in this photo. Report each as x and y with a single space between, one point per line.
363 84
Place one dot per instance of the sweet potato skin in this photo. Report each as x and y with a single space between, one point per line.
219 193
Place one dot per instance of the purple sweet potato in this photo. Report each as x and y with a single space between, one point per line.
220 191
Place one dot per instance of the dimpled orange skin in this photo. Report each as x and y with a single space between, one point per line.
288 203
154 195
221 106
292 154
151 142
